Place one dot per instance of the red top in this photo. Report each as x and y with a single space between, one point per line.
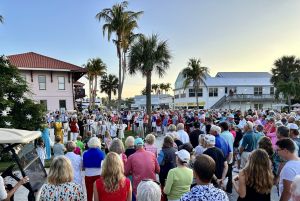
118 195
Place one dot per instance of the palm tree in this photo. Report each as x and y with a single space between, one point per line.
95 68
195 73
109 85
121 22
285 77
155 87
161 88
148 55
1 19
167 87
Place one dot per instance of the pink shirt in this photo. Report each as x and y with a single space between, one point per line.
152 148
141 165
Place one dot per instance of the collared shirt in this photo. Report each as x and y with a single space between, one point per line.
76 162
183 136
248 141
205 193
228 137
141 165
223 145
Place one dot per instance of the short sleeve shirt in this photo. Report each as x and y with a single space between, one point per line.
288 172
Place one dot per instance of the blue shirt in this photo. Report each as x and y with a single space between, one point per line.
248 141
222 144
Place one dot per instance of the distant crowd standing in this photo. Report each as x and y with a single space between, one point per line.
201 151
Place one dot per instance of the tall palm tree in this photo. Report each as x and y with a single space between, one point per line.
285 77
195 73
148 55
109 85
96 67
155 87
121 22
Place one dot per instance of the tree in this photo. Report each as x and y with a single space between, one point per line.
195 73
155 87
285 77
95 67
16 109
109 85
121 22
1 19
161 88
148 55
167 87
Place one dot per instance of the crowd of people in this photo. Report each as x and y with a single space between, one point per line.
205 154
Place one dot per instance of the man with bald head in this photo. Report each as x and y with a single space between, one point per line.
183 136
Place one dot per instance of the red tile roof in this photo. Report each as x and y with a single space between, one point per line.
38 61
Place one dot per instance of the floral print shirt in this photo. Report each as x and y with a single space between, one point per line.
62 192
205 193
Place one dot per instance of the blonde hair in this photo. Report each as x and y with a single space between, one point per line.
258 172
150 138
107 135
61 171
112 172
129 142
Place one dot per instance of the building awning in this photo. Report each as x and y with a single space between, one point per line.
189 104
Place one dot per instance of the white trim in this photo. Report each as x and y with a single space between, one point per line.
44 69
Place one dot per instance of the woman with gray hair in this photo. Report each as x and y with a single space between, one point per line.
117 146
76 162
148 190
92 159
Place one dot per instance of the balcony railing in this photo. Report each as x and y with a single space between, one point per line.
250 97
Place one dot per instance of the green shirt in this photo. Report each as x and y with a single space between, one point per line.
80 145
178 182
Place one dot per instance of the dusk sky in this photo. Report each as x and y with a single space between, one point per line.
230 35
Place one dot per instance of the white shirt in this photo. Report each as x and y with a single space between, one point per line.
288 172
76 162
183 136
113 130
3 194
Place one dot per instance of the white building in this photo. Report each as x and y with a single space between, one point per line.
157 101
230 90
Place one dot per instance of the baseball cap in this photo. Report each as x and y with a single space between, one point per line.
293 126
138 141
183 155
230 116
210 139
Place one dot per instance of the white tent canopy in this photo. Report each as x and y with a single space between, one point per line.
11 136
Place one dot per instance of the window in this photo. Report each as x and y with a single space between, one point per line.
226 90
44 103
258 106
61 83
176 96
62 104
192 92
258 91
213 92
272 90
183 95
42 82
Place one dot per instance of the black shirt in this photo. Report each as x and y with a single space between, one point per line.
219 159
129 151
194 137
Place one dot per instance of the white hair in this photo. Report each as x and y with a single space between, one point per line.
295 187
215 128
94 142
148 191
180 126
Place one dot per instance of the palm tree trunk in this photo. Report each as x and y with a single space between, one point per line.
90 91
148 99
95 91
196 93
120 75
123 70
109 96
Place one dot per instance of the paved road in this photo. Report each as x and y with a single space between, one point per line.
21 194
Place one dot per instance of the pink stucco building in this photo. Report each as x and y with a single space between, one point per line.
50 80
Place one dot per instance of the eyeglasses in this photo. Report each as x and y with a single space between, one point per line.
146 180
